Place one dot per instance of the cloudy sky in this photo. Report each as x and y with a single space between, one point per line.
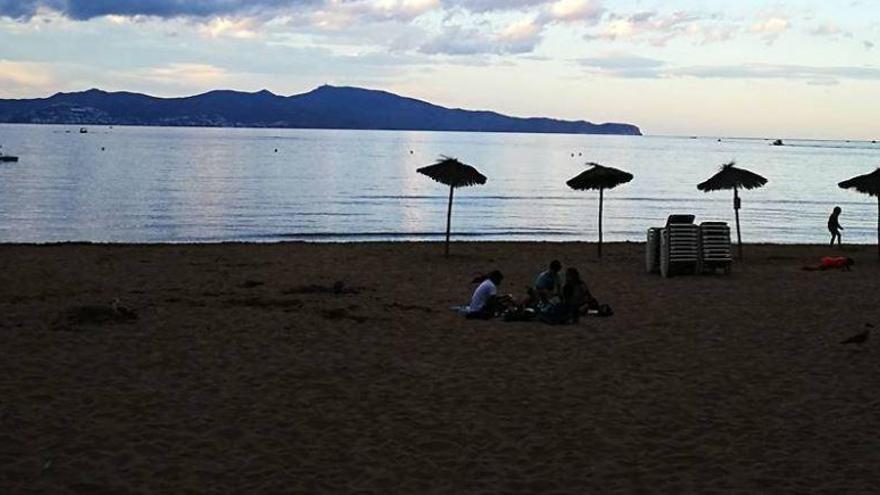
798 68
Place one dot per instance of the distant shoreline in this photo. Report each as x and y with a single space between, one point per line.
246 127
643 135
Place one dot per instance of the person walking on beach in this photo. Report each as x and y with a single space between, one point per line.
834 226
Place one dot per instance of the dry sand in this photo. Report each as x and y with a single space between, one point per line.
238 378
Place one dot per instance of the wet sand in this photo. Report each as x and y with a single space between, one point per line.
246 371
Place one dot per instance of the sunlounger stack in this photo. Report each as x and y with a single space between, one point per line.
715 246
679 246
652 250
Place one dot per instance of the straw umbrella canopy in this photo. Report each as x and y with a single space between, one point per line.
599 177
454 174
867 184
731 177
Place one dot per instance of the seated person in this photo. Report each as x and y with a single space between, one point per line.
485 302
576 295
547 285
832 263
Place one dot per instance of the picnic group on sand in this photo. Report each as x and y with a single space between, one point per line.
555 299
552 298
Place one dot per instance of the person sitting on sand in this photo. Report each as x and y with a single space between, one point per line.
548 284
485 302
576 295
832 263
834 226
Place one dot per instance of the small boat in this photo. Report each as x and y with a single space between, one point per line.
778 142
8 158
83 130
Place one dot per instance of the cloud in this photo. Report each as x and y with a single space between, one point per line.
334 15
574 11
811 74
659 29
633 66
88 9
518 37
23 78
229 27
483 6
771 28
188 74
624 65
826 29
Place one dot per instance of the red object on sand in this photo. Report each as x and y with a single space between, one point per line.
833 262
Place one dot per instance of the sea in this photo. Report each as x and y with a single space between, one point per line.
183 185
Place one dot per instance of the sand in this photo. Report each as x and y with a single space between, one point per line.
244 371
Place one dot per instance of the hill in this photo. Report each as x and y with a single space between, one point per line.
327 107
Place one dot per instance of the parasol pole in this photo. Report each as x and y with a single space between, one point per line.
736 206
601 201
878 227
449 219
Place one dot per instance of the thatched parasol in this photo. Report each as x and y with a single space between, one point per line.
454 174
867 184
734 178
599 177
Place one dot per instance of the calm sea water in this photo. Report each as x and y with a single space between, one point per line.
188 185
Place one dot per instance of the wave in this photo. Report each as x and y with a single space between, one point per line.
531 233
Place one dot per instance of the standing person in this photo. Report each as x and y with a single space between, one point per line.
834 226
485 300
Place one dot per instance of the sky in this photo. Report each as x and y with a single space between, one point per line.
805 68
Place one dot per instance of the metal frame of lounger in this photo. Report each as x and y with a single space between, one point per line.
679 249
715 250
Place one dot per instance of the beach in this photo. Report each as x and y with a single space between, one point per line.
339 368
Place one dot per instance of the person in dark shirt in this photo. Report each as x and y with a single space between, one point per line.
547 284
576 295
834 226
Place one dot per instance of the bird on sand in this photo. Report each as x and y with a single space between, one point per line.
860 338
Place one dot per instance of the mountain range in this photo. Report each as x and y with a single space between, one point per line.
327 107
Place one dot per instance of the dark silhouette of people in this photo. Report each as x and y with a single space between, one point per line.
576 295
834 226
548 283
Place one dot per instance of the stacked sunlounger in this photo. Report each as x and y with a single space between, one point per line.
652 250
679 246
683 247
715 247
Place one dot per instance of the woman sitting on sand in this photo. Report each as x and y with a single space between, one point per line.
485 302
832 263
576 295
